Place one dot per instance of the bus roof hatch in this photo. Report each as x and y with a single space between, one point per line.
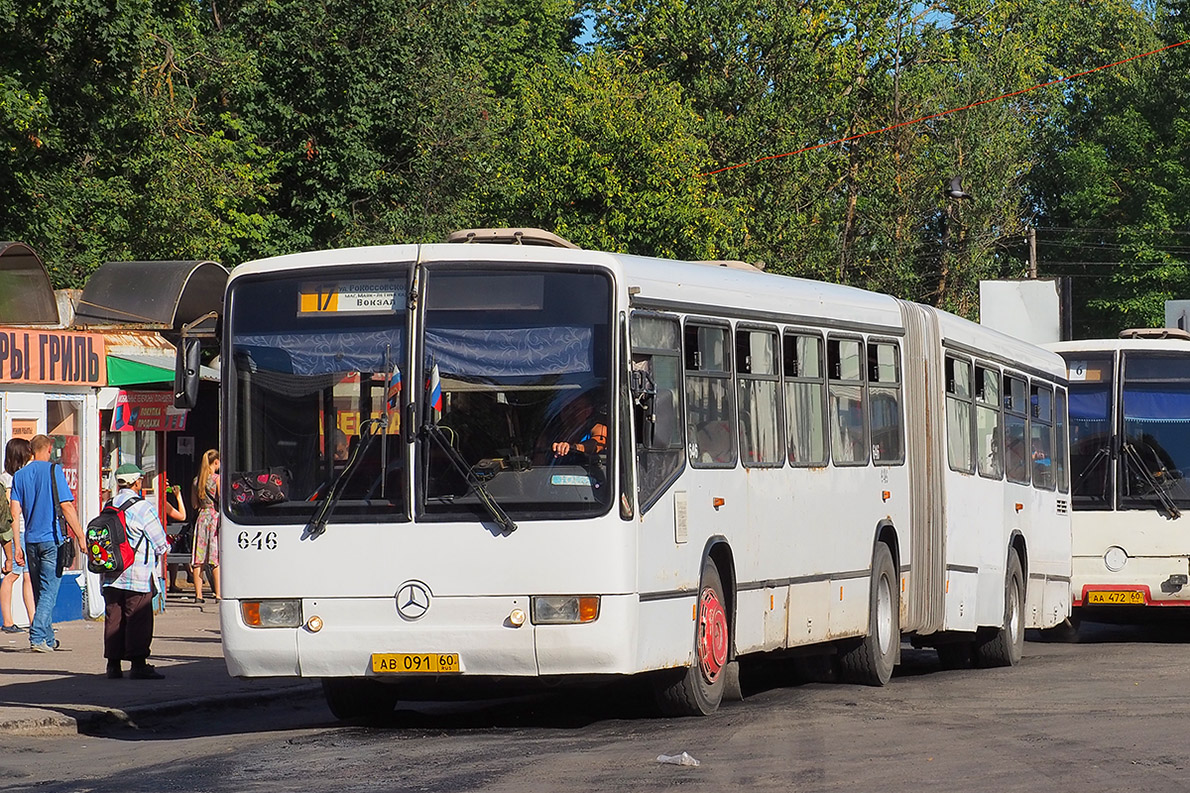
510 236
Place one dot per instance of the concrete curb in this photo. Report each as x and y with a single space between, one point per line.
64 719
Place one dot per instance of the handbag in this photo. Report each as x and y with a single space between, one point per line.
66 553
270 486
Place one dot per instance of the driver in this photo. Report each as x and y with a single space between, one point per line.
594 442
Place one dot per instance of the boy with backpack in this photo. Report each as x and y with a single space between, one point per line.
128 593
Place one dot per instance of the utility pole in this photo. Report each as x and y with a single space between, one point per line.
1032 252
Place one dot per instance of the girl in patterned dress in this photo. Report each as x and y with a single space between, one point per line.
205 497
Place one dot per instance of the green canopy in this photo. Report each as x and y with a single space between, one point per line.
126 371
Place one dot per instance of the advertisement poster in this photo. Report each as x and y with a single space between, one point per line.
147 411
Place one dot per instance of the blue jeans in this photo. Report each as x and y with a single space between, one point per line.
41 560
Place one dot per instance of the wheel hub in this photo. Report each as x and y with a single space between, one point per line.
712 635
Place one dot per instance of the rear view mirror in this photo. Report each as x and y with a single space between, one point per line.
186 373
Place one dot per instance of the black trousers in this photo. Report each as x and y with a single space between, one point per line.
128 626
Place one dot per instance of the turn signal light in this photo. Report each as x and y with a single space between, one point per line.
564 610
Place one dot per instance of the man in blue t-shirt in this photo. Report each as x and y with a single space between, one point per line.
35 519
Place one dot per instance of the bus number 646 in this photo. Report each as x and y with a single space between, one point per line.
260 541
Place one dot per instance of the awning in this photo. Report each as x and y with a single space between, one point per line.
136 370
144 358
26 296
163 295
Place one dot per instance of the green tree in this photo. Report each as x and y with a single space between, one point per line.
1113 188
380 111
607 156
111 150
770 78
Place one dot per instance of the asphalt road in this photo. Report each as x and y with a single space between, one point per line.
1106 713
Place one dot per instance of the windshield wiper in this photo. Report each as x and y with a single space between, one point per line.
1099 456
330 500
1168 506
456 460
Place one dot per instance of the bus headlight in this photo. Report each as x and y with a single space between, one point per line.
271 613
564 610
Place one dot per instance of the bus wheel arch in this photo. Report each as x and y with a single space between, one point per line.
1016 543
711 676
1004 646
886 533
871 660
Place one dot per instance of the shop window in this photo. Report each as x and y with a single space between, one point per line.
63 419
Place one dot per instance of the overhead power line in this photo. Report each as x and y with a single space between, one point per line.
1008 95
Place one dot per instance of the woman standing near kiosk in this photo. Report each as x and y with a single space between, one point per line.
206 526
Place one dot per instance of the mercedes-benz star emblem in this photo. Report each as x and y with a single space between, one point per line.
413 600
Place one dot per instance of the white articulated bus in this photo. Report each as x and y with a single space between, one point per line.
1129 447
461 467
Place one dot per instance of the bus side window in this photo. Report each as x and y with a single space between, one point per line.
1016 429
884 404
849 425
710 419
1060 423
1041 436
959 451
989 431
805 400
760 407
657 359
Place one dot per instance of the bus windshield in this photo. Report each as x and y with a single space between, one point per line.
313 361
1091 430
518 373
1156 416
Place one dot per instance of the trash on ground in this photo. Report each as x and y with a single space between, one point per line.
678 759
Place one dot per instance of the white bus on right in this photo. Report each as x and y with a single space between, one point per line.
1129 454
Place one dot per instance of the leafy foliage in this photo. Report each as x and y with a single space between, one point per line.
1115 186
166 129
608 157
112 154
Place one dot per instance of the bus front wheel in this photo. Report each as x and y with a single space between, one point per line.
354 698
1004 646
871 661
700 689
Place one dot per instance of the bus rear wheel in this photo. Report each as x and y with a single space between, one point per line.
700 689
1005 645
871 661
353 698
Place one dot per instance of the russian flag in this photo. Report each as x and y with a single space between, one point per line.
435 388
394 389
